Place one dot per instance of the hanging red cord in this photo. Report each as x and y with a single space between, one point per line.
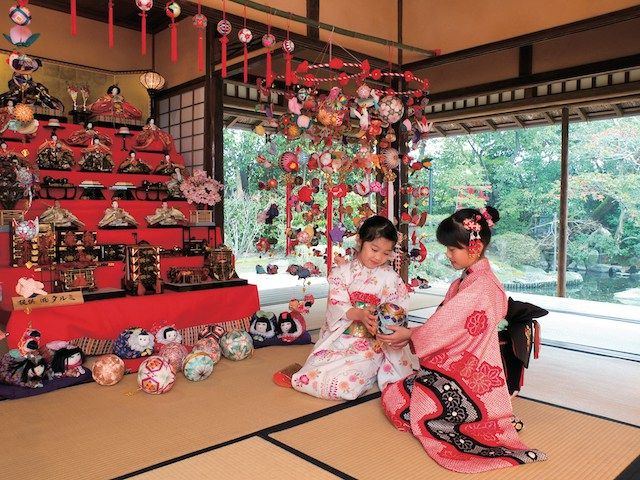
74 18
110 28
200 22
268 40
172 9
245 36
224 28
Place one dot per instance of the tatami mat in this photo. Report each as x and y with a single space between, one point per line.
249 459
361 442
95 432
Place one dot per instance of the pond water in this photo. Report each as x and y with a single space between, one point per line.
598 287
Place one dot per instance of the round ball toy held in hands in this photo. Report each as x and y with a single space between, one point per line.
156 375
108 370
390 314
236 345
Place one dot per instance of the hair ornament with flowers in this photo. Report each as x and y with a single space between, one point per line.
487 216
475 243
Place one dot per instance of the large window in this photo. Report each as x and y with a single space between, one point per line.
182 115
518 172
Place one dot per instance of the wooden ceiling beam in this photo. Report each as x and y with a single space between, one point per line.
618 109
491 124
582 114
519 122
548 118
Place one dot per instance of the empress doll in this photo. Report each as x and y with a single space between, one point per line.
114 104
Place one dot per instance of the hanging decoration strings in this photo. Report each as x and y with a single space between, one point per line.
110 28
288 47
268 41
224 29
200 22
74 18
245 36
144 6
172 9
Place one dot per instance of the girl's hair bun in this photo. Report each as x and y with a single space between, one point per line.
495 215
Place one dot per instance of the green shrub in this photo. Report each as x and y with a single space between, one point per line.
515 249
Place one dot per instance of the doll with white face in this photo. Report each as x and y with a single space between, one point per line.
262 326
288 328
167 335
67 362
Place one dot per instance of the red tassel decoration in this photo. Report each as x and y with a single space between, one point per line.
287 71
74 18
269 74
174 41
200 51
200 22
245 66
110 23
143 34
223 41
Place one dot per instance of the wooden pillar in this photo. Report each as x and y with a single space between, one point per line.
214 120
564 208
313 13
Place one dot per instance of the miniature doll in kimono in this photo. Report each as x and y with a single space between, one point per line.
133 164
166 335
134 342
53 155
288 328
152 135
347 359
458 405
96 158
113 104
67 360
262 327
23 371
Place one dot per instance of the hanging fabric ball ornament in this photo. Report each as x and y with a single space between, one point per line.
390 109
268 40
288 46
245 35
289 162
200 21
144 5
173 10
224 27
20 15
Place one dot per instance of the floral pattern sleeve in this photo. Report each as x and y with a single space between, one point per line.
395 291
338 301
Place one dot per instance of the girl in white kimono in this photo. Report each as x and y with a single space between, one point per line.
347 359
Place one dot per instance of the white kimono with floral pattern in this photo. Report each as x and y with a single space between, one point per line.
343 366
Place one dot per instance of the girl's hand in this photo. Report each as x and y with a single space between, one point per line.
364 316
398 339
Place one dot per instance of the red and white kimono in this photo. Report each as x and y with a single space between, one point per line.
457 405
343 366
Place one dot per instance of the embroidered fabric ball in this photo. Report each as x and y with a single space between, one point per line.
197 366
210 346
175 353
236 345
390 314
156 375
390 109
108 370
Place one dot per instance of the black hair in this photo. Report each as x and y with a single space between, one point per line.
451 231
286 317
264 320
111 87
59 361
377 227
166 330
29 365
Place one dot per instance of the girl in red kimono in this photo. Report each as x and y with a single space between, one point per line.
458 405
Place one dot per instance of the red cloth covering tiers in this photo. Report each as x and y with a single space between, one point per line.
105 319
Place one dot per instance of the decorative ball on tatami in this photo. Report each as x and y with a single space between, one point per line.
174 352
210 346
108 370
236 345
156 375
197 366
